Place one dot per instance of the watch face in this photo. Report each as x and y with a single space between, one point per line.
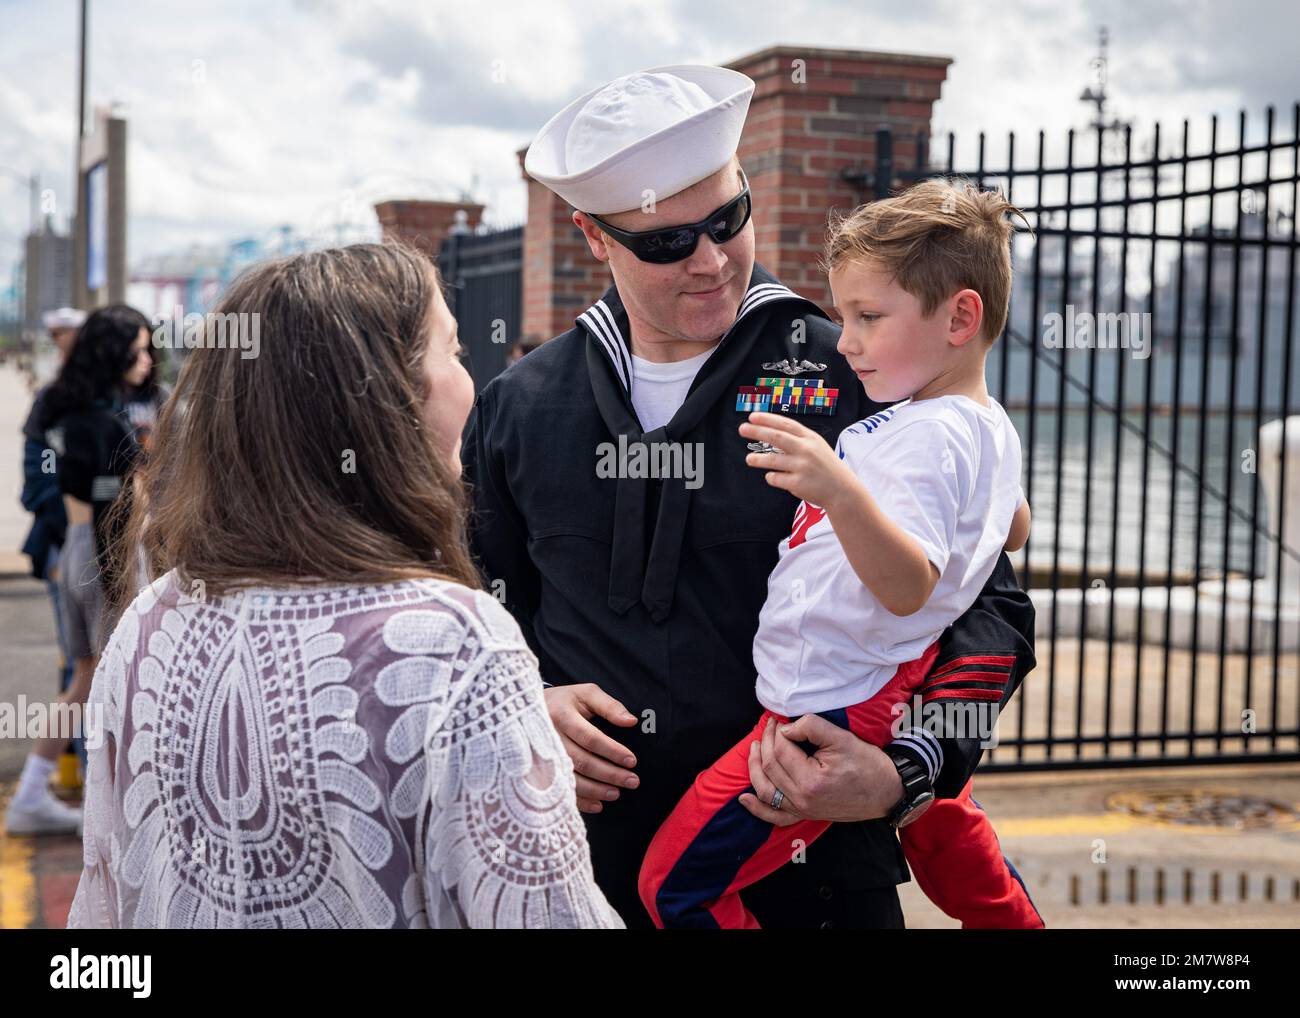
916 810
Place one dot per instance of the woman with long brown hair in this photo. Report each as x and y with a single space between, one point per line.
83 421
313 715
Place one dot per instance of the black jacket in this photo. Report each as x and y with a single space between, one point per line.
41 495
96 449
554 541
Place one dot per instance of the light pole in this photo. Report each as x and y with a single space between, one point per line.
79 294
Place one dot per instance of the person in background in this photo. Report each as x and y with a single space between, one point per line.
143 403
40 493
523 346
82 418
62 326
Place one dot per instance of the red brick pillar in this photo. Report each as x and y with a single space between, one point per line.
813 116
561 278
424 223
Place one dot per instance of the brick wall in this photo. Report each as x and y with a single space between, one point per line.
814 116
424 223
561 278
812 119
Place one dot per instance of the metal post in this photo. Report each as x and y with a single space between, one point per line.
79 240
884 162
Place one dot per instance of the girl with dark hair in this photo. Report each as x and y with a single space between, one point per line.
314 715
83 422
142 404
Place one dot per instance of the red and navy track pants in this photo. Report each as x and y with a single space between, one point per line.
710 848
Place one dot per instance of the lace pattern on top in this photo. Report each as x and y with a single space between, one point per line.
328 757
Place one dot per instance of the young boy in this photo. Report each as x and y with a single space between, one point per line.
900 526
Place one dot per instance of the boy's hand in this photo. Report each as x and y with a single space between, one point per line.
806 466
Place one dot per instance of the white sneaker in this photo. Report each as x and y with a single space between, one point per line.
49 816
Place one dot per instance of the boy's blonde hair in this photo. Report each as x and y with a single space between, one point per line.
935 238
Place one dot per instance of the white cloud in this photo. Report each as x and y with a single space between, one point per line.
247 114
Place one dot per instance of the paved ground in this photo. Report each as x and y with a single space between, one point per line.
1056 829
1089 861
38 877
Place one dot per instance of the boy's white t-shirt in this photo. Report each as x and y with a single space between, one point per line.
659 390
947 471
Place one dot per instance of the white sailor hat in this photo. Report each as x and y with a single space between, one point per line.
656 131
63 318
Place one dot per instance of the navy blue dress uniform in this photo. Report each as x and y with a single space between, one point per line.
651 588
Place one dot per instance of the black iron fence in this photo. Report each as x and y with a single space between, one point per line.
1150 365
484 274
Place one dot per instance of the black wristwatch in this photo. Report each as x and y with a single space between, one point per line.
917 793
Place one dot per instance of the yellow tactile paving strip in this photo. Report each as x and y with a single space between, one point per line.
17 882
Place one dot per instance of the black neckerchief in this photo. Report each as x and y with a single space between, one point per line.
633 576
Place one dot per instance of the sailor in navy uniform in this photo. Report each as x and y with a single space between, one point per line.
650 587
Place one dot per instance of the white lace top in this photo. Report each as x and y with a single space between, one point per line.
356 757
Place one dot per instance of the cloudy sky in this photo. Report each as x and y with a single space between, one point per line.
246 114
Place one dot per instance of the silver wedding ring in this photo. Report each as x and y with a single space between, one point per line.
764 447
777 798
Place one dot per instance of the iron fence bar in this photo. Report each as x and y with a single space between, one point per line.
1061 424
1004 364
1124 763
1207 307
1035 311
1149 378
1149 737
1222 242
1261 350
1089 433
1286 400
1204 192
1229 467
1113 579
1179 308
1211 154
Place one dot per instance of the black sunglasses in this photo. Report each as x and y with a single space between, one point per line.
673 243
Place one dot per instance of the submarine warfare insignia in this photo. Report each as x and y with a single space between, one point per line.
791 367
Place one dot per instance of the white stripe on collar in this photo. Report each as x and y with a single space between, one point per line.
600 320
762 294
602 325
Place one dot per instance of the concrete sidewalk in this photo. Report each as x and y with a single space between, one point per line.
38 876
1136 849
